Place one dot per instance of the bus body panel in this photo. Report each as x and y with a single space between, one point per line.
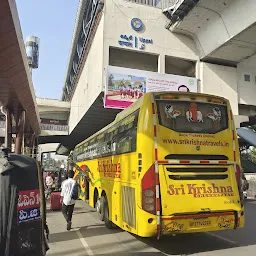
207 190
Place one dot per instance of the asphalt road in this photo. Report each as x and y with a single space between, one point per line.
90 237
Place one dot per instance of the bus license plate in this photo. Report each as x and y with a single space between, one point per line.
199 223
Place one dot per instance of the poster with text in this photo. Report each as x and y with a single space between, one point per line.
124 86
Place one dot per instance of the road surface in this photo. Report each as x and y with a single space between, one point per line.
90 237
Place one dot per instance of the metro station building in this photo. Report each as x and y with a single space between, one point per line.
202 40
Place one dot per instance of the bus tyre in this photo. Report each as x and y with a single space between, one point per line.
99 208
108 223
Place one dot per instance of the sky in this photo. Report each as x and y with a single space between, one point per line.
53 22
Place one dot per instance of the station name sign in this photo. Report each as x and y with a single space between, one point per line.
134 41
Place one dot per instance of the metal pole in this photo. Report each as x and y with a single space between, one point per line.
8 129
20 133
5 135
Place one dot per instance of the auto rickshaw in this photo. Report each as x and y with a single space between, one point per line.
23 227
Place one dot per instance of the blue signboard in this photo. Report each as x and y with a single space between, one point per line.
134 41
28 214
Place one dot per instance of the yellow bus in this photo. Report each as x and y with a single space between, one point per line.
167 164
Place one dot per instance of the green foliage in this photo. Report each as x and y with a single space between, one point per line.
110 80
253 154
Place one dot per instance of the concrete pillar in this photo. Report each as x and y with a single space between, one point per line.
9 129
198 76
161 64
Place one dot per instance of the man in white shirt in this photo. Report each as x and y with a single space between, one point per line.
67 202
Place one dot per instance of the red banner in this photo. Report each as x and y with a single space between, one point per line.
28 199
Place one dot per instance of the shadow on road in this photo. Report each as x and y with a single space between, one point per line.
86 231
187 244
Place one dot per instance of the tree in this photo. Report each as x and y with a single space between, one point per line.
252 154
111 81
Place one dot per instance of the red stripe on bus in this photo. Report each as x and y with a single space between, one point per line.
167 98
153 108
199 216
216 101
158 230
234 156
184 161
156 154
223 162
204 161
163 162
157 179
154 130
158 207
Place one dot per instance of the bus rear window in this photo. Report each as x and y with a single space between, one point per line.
192 117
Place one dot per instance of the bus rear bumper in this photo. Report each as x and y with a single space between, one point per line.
191 224
200 223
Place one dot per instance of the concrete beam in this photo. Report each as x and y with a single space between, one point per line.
221 29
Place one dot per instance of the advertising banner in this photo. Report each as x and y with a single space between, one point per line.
32 51
124 86
53 125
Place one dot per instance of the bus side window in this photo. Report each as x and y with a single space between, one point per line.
126 138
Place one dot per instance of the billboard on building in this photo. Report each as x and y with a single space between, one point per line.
124 86
32 51
54 125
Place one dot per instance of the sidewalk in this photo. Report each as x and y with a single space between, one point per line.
63 242
89 236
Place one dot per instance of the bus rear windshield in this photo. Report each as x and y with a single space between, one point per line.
192 117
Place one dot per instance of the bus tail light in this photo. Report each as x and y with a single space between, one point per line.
239 181
238 177
149 191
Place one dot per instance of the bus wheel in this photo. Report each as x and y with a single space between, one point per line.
108 223
99 208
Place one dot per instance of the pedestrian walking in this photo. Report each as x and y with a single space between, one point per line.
49 183
68 203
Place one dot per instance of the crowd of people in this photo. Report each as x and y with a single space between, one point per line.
137 91
131 92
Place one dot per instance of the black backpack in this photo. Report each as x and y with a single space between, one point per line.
75 191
